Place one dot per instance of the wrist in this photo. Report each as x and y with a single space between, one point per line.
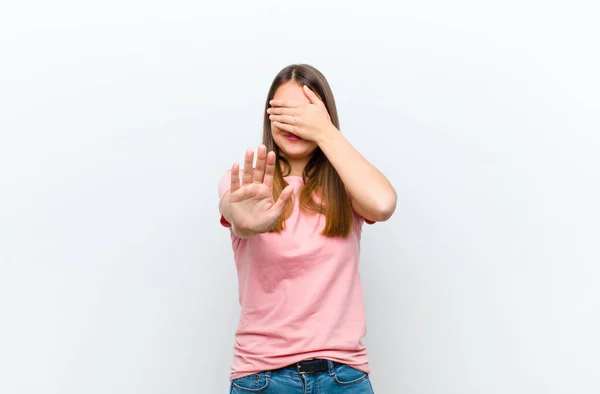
327 136
244 234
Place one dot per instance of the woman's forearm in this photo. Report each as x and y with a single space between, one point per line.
373 196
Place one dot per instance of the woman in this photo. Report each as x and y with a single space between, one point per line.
295 221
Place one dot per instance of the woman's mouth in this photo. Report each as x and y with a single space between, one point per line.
292 137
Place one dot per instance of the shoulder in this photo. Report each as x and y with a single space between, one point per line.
225 182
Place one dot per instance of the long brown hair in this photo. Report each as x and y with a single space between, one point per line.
320 177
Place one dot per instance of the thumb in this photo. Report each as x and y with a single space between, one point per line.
284 197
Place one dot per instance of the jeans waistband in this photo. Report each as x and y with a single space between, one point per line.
311 365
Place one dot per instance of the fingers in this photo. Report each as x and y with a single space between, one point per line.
269 169
285 103
283 119
243 193
285 127
282 111
248 159
284 197
314 99
235 177
261 158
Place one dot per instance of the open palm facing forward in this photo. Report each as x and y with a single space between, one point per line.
253 209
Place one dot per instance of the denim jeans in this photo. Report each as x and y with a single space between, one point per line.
338 379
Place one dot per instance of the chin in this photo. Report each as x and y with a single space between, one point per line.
296 150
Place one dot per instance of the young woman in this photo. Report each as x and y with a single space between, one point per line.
295 221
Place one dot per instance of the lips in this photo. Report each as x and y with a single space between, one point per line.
292 137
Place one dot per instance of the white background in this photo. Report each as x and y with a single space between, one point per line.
117 119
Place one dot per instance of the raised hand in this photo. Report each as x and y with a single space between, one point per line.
253 209
309 121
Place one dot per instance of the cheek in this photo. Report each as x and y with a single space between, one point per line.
277 138
313 146
274 130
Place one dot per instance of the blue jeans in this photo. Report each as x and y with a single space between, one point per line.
339 379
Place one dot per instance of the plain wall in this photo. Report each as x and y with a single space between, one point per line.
118 118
